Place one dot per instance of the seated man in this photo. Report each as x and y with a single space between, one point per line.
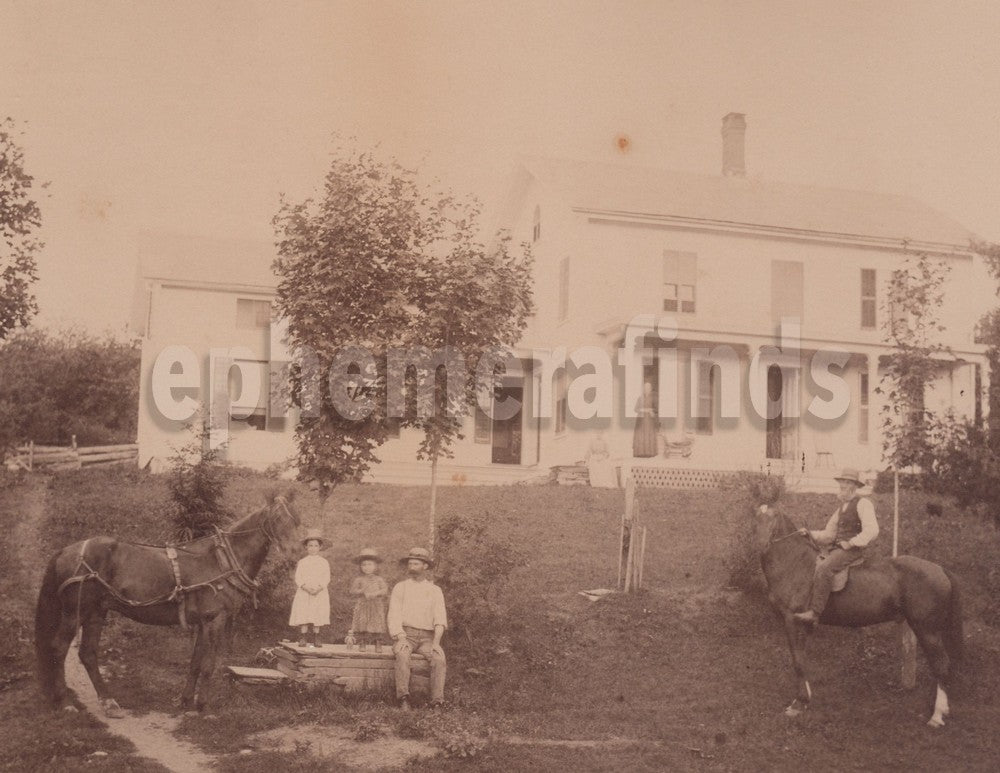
850 529
416 622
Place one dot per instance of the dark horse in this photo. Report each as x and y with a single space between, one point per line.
201 584
880 590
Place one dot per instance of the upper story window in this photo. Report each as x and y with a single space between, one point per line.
786 290
868 298
680 273
563 289
536 229
251 313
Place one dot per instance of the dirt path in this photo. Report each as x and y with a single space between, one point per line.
152 733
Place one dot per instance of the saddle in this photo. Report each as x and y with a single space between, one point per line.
841 577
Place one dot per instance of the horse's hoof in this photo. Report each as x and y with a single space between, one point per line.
70 709
192 713
112 710
935 722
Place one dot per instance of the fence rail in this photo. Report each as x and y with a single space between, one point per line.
71 457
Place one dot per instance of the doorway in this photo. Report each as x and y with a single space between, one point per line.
507 432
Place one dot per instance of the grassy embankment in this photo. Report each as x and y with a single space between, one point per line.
686 676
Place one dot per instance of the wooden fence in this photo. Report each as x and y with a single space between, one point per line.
71 457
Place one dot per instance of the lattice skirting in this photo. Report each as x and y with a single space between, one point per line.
666 477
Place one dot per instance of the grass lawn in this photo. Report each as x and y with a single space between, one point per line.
687 675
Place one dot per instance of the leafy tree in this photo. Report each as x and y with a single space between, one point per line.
989 333
57 385
911 326
20 218
386 265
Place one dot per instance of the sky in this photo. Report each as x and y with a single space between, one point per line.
195 117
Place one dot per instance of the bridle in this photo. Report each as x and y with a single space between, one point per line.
267 526
772 540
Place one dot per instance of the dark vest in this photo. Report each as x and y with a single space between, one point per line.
849 523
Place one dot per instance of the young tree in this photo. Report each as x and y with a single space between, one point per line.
477 307
379 266
20 218
914 296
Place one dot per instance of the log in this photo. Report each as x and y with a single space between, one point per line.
86 450
113 455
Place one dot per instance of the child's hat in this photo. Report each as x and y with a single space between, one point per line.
368 554
314 534
420 554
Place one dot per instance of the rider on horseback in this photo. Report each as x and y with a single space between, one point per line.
850 529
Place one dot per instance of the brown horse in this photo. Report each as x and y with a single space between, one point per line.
201 584
880 590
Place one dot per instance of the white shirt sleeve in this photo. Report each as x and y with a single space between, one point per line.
869 524
828 533
394 619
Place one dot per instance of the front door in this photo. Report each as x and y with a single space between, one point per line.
781 429
774 388
507 432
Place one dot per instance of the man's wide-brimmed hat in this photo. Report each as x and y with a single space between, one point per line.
421 554
850 475
368 554
316 534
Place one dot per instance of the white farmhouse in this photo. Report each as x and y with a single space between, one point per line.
698 271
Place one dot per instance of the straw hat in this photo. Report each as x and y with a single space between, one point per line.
316 534
368 554
850 475
420 554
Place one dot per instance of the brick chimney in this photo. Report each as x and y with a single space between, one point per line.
734 127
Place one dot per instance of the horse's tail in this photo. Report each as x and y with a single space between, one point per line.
954 638
48 614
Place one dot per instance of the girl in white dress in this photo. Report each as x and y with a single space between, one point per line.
311 605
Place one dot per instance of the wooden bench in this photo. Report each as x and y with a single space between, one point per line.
352 669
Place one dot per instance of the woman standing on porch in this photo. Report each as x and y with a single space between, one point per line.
647 423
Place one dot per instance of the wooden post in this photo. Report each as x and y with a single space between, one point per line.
31 455
642 557
625 537
907 640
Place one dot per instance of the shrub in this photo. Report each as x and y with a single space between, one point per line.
908 481
741 557
965 465
474 566
197 483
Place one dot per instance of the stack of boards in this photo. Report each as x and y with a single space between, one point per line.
355 670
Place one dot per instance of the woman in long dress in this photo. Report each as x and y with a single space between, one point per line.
647 423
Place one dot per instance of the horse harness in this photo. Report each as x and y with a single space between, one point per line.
232 573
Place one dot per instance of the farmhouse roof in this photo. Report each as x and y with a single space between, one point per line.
226 264
702 200
205 260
